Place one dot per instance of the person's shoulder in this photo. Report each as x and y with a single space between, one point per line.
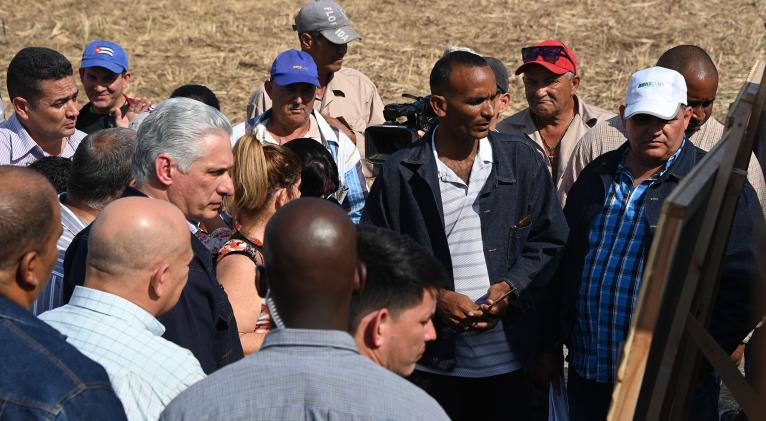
402 394
78 136
709 134
608 133
514 123
408 153
697 151
352 74
228 383
593 114
518 144
41 352
8 129
612 126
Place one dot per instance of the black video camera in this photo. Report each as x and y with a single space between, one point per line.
403 121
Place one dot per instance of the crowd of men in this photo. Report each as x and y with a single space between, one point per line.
450 286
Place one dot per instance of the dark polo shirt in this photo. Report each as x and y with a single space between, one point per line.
89 121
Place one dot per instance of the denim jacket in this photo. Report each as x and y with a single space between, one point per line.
734 312
522 228
44 377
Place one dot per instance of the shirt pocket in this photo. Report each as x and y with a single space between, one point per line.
517 236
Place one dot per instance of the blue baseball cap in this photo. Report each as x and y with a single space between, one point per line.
104 54
293 66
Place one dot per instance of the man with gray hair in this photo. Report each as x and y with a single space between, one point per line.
556 118
183 156
100 172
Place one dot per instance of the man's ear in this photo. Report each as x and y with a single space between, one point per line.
505 103
688 112
158 282
377 328
267 87
82 74
622 112
360 277
163 169
439 105
127 76
26 275
306 41
21 107
575 83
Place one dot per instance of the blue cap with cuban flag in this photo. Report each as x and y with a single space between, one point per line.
104 54
293 66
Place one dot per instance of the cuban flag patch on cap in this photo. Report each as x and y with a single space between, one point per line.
104 50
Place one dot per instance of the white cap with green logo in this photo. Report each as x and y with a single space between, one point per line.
655 91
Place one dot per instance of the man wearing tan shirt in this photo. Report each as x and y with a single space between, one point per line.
556 118
701 77
347 98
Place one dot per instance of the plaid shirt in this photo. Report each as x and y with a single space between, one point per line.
614 265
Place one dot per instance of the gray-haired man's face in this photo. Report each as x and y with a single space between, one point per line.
199 193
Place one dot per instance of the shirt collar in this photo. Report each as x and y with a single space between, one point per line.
665 167
22 144
309 337
484 153
192 227
263 135
115 306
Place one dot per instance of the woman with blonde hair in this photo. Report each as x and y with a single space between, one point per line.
266 177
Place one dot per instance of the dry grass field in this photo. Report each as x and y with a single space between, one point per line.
228 45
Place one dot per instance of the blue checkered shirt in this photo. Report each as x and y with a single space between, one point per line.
614 265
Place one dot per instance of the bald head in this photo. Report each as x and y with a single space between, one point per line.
310 254
690 61
26 212
132 244
29 227
701 77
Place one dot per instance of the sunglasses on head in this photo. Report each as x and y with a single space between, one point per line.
549 53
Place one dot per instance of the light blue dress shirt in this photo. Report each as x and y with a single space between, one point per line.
146 370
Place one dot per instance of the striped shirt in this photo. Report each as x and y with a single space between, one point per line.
146 370
52 296
610 135
477 354
614 265
18 148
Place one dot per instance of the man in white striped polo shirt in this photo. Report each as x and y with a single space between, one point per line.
483 202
